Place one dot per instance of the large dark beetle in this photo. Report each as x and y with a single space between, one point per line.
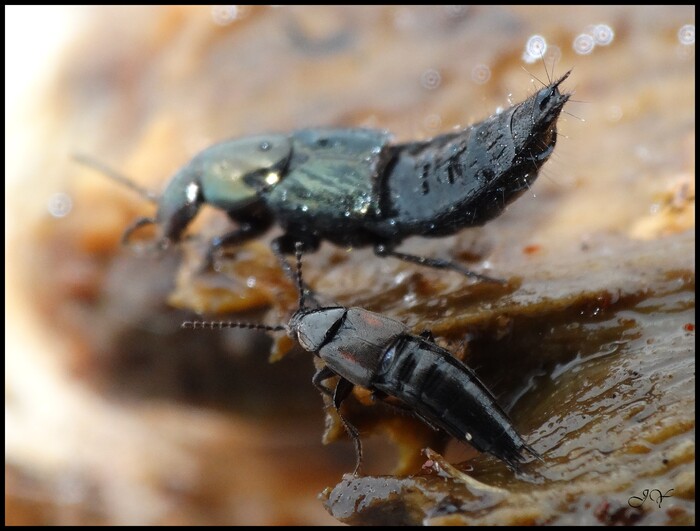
378 353
354 188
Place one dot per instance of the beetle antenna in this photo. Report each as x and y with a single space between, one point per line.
300 282
534 76
544 64
218 325
116 176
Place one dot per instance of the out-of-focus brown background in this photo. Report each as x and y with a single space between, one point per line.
115 416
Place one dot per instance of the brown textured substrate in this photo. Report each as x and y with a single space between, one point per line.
604 377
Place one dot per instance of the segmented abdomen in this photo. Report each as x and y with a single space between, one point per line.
446 394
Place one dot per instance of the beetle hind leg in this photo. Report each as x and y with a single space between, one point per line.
437 263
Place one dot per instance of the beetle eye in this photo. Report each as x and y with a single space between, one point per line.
304 341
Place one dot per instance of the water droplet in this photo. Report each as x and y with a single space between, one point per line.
686 35
224 15
481 74
304 208
643 153
432 122
59 205
251 281
553 54
535 48
404 19
265 146
430 79
614 113
191 192
584 44
456 11
603 34
272 178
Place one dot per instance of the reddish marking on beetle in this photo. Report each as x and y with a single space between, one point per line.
347 355
689 327
371 320
532 249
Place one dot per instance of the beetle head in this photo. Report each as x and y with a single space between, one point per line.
311 328
230 175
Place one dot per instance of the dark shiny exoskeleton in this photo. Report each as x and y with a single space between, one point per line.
354 188
378 353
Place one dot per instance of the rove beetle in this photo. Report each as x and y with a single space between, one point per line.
378 353
354 188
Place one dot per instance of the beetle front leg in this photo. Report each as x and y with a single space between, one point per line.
246 230
323 374
384 250
342 391
141 222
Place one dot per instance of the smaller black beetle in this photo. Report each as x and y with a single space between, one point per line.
378 353
354 188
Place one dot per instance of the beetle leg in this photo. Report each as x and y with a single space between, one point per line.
323 374
427 334
135 226
342 391
383 250
245 231
378 396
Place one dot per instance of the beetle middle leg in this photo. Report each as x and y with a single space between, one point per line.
437 263
342 390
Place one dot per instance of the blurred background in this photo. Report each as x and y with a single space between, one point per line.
114 415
